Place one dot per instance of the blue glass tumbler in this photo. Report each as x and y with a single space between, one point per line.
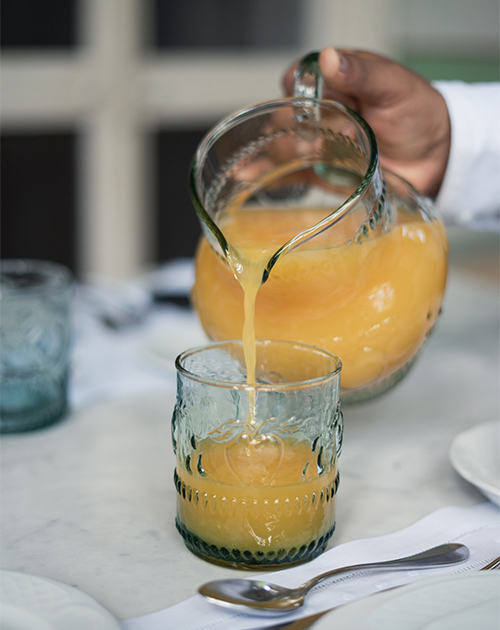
35 338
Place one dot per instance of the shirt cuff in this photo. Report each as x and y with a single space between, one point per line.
470 192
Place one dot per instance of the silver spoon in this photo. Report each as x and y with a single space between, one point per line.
265 596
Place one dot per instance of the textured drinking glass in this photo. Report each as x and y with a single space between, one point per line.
35 335
256 473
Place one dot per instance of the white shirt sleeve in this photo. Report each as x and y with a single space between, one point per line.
470 193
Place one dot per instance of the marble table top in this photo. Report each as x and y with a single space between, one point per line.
91 500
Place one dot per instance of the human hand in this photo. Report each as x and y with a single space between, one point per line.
408 116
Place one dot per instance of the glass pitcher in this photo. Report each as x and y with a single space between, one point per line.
345 256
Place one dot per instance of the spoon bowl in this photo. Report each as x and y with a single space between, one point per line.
263 596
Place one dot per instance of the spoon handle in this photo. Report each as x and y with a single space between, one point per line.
442 555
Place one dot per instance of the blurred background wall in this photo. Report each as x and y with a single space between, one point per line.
104 101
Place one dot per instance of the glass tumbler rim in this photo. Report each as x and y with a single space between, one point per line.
263 387
53 277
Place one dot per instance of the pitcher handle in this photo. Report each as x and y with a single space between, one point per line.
308 78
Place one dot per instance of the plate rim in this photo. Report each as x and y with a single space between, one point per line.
462 470
85 598
375 600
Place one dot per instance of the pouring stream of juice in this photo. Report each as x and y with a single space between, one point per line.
254 236
248 270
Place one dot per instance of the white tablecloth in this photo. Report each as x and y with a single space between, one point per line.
91 501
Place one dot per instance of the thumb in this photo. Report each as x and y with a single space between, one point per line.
366 77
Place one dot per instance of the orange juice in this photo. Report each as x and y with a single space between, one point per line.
257 500
370 303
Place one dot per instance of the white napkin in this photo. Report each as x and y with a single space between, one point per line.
477 527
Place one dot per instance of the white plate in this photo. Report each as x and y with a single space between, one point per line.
460 602
33 602
164 343
475 455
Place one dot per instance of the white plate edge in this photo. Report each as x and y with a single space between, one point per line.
367 604
463 471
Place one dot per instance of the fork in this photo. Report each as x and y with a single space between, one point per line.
491 566
306 622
